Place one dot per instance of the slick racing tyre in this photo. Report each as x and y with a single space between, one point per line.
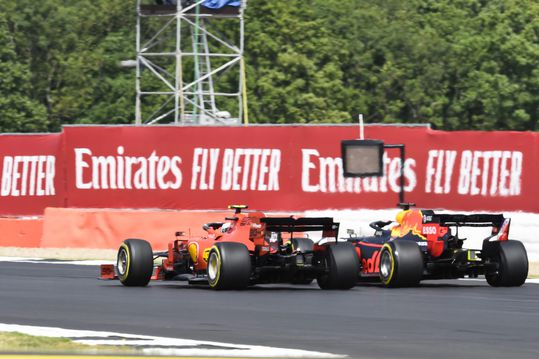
229 266
401 264
512 263
135 263
342 267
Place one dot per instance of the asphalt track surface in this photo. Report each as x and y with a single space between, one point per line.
448 319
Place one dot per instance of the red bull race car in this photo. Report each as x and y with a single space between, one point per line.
426 245
243 250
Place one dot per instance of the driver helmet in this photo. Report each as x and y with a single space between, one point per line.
226 227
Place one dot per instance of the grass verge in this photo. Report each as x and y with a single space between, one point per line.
13 342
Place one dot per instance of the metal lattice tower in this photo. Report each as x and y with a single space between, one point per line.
189 66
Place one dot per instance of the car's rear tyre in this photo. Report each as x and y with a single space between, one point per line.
134 263
342 267
512 262
401 264
229 266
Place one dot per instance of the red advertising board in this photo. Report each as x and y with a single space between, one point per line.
290 168
295 168
31 173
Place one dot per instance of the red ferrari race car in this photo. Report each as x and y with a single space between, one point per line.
426 245
245 249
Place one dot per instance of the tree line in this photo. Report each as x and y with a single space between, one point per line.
457 64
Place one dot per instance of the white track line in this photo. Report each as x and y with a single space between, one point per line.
151 345
59 261
528 281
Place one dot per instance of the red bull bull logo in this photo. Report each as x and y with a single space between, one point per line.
410 221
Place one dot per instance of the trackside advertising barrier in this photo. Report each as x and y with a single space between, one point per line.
31 173
282 168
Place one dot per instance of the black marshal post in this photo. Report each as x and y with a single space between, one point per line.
365 158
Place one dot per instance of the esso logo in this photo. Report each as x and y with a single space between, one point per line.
430 230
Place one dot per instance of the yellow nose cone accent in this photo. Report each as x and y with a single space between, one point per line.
193 252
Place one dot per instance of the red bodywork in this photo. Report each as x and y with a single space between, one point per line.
245 228
242 228
410 222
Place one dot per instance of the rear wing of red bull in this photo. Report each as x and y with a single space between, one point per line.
500 224
465 220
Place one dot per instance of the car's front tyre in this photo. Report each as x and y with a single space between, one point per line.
134 263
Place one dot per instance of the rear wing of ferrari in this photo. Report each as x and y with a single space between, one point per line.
328 227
